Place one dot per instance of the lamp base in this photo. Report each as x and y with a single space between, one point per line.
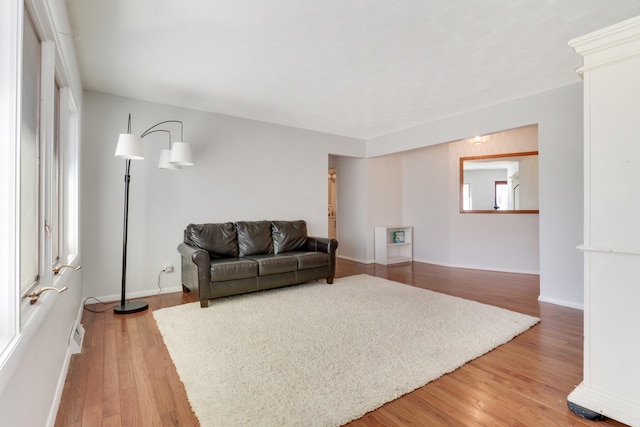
131 307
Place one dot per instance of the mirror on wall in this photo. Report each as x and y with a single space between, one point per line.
499 183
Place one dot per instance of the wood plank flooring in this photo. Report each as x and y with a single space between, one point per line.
124 375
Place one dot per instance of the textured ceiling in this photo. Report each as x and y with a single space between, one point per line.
360 68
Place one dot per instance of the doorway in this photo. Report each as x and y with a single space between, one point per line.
333 206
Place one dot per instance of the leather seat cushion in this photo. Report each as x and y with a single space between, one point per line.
232 268
254 237
217 239
274 264
310 259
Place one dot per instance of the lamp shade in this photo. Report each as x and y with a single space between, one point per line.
164 163
181 154
129 147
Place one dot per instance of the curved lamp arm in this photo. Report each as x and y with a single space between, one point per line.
159 130
148 131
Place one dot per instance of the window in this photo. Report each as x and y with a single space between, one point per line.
467 203
45 177
67 180
56 184
501 195
38 173
30 158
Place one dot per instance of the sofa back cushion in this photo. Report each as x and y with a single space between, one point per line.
254 237
288 235
220 240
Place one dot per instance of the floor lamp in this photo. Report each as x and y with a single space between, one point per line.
130 148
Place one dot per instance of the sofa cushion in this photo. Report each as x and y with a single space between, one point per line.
308 260
220 240
232 269
288 235
274 264
254 237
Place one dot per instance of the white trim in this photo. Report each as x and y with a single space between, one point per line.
10 75
477 267
587 248
561 302
605 38
624 411
361 261
11 13
609 45
139 294
57 397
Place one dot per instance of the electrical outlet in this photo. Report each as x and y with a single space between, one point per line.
168 268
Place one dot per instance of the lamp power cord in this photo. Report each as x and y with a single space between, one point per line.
112 305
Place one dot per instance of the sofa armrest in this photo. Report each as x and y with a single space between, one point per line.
196 269
321 244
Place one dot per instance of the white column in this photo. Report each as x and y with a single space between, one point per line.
611 247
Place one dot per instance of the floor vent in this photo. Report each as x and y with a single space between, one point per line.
75 341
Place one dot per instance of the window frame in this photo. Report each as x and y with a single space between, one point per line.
32 241
496 185
467 200
20 321
10 40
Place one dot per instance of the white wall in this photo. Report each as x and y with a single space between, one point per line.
501 242
352 229
507 242
558 114
225 145
384 196
426 202
245 170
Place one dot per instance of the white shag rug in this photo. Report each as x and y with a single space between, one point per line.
323 355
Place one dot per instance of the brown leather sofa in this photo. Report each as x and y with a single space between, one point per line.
234 258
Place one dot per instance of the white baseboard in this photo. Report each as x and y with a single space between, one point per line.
361 261
541 298
624 411
468 267
563 303
140 294
477 267
55 404
555 301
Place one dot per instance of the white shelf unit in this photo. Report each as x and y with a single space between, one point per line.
388 251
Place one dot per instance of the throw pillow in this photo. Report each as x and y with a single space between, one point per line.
217 239
254 237
288 235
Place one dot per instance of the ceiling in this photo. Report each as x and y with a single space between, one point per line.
358 68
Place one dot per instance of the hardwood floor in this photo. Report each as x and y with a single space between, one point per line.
124 375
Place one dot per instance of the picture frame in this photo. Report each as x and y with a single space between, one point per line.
398 236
